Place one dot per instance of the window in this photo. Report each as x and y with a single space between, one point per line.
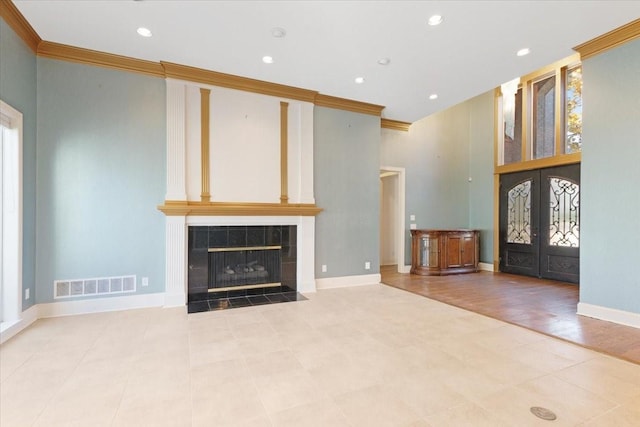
540 116
543 118
512 122
10 215
573 108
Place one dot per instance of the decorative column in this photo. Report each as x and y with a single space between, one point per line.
284 149
205 196
176 152
175 270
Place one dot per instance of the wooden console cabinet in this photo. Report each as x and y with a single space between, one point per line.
441 252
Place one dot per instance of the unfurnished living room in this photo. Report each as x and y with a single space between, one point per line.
319 213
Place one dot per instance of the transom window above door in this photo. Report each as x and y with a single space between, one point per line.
539 118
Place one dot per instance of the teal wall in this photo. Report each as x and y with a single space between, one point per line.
440 153
610 199
346 186
481 123
18 88
101 174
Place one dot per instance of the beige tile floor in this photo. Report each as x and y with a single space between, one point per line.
363 356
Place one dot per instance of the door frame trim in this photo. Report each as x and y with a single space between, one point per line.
400 206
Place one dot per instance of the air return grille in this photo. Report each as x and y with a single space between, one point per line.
95 286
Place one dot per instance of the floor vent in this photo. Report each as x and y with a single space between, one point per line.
95 286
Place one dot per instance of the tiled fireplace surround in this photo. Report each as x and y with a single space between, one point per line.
178 248
273 245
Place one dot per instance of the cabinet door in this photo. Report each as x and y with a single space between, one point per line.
468 250
453 250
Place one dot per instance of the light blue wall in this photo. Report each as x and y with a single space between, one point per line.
346 181
101 174
18 89
435 155
481 122
440 153
610 199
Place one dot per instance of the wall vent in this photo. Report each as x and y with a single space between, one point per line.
94 286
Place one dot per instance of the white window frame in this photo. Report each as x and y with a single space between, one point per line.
11 285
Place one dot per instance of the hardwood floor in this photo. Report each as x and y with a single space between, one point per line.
544 306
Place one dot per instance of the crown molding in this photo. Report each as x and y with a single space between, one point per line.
394 125
10 13
348 105
185 208
93 57
609 40
12 16
214 78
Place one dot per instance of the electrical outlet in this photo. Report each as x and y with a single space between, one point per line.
324 268
367 265
26 293
413 226
145 281
412 217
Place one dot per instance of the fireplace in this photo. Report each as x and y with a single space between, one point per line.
244 268
234 261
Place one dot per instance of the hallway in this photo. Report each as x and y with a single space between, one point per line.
544 306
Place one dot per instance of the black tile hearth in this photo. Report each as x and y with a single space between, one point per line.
258 300
199 304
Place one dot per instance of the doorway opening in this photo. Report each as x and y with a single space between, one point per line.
392 211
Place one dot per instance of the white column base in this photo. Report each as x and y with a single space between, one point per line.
176 261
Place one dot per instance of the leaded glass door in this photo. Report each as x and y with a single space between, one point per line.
540 223
560 215
519 216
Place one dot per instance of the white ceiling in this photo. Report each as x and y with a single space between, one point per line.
329 43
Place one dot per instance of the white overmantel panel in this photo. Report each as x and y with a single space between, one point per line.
244 146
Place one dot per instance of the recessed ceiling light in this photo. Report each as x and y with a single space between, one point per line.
144 32
267 59
435 20
384 61
359 80
278 32
433 96
523 52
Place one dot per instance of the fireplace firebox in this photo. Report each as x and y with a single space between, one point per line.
231 261
244 267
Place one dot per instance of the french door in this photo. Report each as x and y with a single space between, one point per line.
540 223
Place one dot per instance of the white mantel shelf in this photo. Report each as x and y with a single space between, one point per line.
184 208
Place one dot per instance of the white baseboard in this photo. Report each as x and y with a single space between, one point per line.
347 281
609 314
405 269
68 308
485 266
29 316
